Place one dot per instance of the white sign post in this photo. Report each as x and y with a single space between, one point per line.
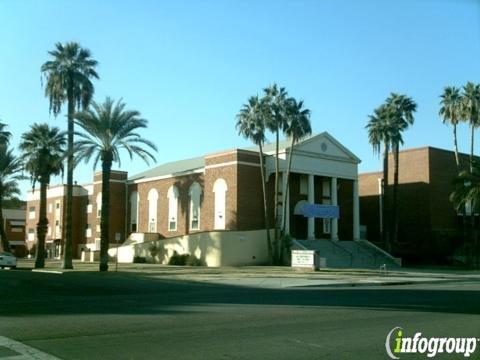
305 259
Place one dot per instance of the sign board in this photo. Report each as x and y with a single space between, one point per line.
305 259
321 211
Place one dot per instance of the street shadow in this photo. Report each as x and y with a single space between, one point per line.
27 293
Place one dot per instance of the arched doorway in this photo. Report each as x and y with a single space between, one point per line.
299 230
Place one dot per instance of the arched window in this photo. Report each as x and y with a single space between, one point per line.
172 196
133 211
220 189
152 210
99 204
195 192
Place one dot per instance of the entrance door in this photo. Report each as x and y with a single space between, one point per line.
299 229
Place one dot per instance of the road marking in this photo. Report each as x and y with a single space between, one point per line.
25 352
47 271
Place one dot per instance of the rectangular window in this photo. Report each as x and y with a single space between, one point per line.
57 205
88 230
326 226
50 207
134 227
31 235
89 208
97 244
172 224
98 228
99 213
31 212
49 231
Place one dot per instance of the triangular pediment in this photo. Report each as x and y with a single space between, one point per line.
326 145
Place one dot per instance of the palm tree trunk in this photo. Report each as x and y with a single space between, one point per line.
385 208
471 147
276 240
455 145
285 195
41 227
395 195
67 257
265 206
105 215
3 234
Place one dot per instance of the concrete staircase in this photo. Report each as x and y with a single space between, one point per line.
349 254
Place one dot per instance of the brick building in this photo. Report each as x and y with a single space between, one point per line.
429 228
14 225
216 192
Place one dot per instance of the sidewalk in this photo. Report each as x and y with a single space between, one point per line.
271 276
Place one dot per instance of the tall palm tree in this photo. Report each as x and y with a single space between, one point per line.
275 100
251 125
4 134
450 111
467 193
298 127
107 129
10 173
68 79
43 149
380 134
471 112
402 109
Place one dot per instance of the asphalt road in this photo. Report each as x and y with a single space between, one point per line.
124 316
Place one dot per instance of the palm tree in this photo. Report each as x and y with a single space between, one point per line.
43 149
4 134
251 124
467 193
380 133
450 110
275 101
108 128
68 79
402 109
298 127
10 173
471 112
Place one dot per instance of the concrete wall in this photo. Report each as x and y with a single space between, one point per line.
216 248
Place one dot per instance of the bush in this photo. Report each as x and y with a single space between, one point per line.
139 260
184 259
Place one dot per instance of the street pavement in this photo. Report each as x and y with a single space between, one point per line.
168 313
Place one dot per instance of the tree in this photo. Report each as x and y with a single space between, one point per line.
107 129
43 150
471 112
275 101
298 127
467 193
68 79
251 124
10 173
4 134
450 111
380 133
402 108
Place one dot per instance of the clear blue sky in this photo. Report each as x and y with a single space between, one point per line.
188 66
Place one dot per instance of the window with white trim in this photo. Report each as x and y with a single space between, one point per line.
195 192
99 204
220 190
133 211
50 207
172 196
152 210
31 212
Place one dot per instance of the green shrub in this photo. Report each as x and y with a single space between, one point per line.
139 260
184 259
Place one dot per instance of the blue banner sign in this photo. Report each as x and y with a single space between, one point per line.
321 211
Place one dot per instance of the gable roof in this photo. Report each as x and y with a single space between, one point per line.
172 168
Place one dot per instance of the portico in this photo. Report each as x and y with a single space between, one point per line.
323 172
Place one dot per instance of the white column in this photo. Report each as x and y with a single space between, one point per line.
356 212
334 198
311 200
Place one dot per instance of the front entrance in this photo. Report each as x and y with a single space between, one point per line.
299 227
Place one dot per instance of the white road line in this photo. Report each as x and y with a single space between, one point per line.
26 352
